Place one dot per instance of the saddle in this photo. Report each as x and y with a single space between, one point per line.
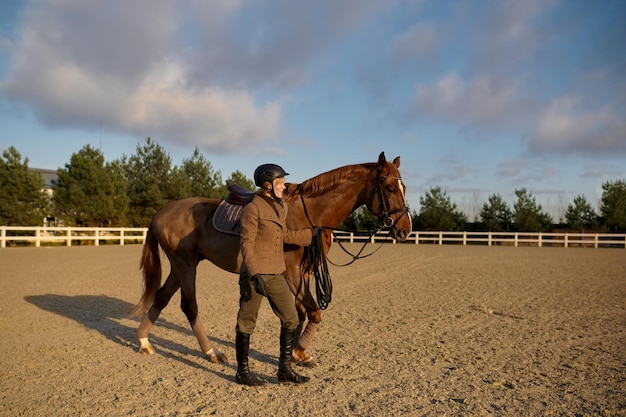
228 213
238 195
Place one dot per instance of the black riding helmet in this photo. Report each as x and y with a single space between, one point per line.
268 173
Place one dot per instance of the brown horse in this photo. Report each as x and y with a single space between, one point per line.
185 231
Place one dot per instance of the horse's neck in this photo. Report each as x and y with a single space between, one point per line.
333 207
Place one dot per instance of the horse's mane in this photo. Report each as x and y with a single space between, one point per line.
327 181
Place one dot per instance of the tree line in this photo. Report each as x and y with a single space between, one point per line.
128 192
91 192
438 213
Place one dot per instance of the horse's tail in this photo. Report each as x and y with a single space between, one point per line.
151 266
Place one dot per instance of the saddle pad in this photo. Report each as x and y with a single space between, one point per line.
226 218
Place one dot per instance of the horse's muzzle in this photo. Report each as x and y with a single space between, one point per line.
400 234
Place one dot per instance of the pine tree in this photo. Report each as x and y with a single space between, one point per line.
23 198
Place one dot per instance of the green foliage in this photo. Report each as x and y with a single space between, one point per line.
150 183
528 215
239 178
23 199
195 178
580 214
180 184
203 180
496 215
613 206
89 192
438 213
415 220
360 220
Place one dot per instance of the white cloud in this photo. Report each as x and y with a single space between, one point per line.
82 66
483 102
507 36
207 73
512 168
220 119
419 41
567 127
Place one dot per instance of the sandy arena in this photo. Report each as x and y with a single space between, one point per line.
412 330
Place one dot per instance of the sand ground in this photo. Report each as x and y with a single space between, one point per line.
412 330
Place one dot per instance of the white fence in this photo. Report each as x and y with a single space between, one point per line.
567 240
67 236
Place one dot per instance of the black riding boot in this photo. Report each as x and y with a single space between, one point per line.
244 376
285 373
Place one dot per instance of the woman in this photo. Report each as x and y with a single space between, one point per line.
263 233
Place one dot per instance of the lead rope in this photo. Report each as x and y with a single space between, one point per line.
317 260
314 262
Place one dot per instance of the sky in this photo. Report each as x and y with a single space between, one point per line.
476 97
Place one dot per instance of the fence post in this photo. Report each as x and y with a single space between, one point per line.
566 243
3 235
464 238
97 237
68 234
122 237
440 238
595 241
515 239
539 240
417 237
489 239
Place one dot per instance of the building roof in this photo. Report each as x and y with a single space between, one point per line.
48 175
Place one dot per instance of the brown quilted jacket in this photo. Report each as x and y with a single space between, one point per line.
263 233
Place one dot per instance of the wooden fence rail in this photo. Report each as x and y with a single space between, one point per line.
67 236
567 240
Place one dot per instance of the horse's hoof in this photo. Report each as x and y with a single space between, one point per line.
300 357
221 358
309 363
146 350
215 356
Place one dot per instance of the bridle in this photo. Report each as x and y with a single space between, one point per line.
316 256
385 218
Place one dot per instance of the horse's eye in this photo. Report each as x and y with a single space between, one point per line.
391 189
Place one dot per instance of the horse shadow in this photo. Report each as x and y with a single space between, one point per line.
104 314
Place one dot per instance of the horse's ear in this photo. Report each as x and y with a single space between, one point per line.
381 159
396 162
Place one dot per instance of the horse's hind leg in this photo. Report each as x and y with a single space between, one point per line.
161 299
189 306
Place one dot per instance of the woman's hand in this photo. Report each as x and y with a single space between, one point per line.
259 285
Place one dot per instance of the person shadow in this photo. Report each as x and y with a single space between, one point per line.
104 314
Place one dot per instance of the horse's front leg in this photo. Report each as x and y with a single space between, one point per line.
213 354
300 354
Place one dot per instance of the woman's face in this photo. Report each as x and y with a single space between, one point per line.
279 187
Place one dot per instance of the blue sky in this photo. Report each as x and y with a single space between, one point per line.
477 97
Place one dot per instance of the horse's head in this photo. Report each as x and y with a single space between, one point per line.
388 201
